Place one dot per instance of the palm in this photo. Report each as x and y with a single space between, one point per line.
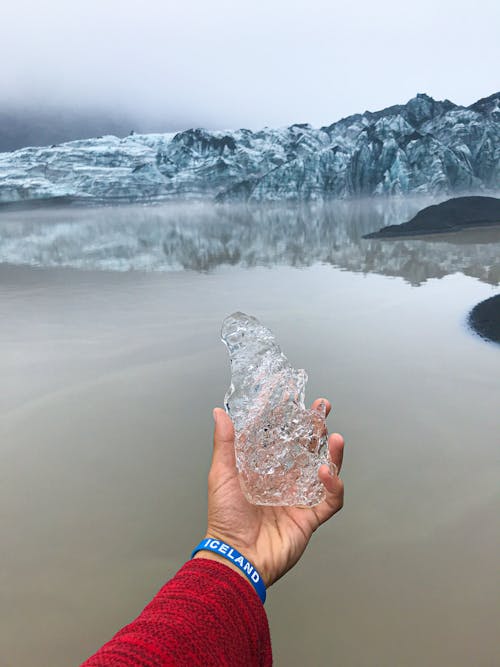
273 538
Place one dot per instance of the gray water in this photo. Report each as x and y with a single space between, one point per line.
109 375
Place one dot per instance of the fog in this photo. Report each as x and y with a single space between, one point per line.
224 64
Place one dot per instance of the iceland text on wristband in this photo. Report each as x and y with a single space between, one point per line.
223 549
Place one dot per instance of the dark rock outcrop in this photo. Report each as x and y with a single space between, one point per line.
453 215
484 319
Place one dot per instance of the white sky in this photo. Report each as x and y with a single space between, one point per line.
218 63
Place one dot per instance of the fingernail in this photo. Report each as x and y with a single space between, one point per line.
332 470
214 415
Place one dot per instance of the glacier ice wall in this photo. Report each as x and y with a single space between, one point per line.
424 146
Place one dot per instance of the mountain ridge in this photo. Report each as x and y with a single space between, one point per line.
424 146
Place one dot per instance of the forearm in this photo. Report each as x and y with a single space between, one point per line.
206 615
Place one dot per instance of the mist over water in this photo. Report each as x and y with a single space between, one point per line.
109 375
203 237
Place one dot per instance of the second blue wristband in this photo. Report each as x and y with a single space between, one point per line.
234 557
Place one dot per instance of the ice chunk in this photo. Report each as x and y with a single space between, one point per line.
279 443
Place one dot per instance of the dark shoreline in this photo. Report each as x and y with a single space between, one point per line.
484 319
423 235
75 202
32 204
454 215
96 202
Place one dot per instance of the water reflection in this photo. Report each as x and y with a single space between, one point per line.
201 238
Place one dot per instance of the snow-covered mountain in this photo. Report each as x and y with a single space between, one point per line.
424 146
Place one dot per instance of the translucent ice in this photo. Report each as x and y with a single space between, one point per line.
279 443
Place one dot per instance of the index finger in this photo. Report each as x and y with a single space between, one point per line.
317 403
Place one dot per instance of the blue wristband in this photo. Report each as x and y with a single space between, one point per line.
233 556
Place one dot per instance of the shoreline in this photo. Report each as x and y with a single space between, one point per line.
484 319
454 215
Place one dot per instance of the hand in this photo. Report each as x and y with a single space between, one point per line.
271 538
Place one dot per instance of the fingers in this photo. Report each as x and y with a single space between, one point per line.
336 449
317 403
223 453
331 481
328 479
334 494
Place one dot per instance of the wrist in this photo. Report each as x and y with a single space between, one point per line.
220 551
209 555
247 551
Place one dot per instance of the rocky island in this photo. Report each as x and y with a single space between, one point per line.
453 215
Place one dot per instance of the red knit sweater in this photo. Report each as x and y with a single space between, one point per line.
207 615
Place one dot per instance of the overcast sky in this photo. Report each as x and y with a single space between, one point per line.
222 64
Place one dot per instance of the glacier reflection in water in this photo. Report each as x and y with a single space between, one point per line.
202 237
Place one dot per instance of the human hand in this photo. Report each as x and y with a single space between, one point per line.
271 538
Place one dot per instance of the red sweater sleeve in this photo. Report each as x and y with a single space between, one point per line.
207 615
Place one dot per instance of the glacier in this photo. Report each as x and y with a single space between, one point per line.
421 147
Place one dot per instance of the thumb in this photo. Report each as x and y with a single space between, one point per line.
223 454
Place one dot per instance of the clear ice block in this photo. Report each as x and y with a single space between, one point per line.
279 443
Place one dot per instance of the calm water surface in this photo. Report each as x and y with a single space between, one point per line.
109 375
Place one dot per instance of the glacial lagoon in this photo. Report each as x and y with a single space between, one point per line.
111 362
